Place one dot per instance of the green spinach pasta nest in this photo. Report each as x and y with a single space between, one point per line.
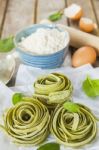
54 88
27 122
50 107
73 129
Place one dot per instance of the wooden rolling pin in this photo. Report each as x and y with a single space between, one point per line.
79 38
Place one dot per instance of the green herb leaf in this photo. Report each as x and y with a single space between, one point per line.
56 16
7 44
49 146
72 107
91 87
17 97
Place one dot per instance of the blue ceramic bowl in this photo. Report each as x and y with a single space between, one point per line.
40 61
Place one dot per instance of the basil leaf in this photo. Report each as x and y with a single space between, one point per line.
88 87
96 86
56 16
91 87
17 97
72 107
49 146
7 44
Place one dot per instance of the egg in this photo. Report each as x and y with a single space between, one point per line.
74 12
84 55
86 24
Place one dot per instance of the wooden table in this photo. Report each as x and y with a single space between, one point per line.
17 14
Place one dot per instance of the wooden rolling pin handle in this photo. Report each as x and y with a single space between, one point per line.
79 38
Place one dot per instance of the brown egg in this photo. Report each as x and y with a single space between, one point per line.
86 24
84 55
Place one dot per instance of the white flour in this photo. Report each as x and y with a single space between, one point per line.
44 41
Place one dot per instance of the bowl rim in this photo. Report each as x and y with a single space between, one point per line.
10 56
19 49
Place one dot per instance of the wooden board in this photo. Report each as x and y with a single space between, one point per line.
3 6
20 13
47 7
88 12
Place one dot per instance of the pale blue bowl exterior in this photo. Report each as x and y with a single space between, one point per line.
40 61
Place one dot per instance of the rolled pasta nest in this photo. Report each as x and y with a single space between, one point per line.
73 129
27 123
53 89
50 107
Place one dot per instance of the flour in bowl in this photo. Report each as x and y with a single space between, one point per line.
45 41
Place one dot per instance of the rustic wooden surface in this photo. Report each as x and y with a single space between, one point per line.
17 14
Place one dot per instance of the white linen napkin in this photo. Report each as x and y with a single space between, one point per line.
24 83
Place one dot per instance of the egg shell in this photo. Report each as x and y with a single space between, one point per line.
87 27
74 12
77 16
84 55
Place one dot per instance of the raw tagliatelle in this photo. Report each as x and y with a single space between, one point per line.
27 122
54 88
73 129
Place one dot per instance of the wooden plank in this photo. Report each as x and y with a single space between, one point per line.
20 13
47 7
88 12
3 5
95 4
